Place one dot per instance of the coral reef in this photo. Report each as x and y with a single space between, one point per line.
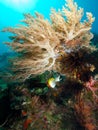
61 46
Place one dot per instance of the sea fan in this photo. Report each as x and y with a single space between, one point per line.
40 42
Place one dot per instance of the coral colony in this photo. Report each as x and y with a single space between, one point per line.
60 47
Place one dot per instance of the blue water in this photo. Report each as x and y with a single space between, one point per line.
12 12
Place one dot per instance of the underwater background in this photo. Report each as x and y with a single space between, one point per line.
65 102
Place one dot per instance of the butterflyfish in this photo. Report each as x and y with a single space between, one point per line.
53 81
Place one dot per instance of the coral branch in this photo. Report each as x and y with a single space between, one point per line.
85 115
68 24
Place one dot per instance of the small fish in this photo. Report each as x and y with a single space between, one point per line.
27 122
25 103
24 113
52 82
